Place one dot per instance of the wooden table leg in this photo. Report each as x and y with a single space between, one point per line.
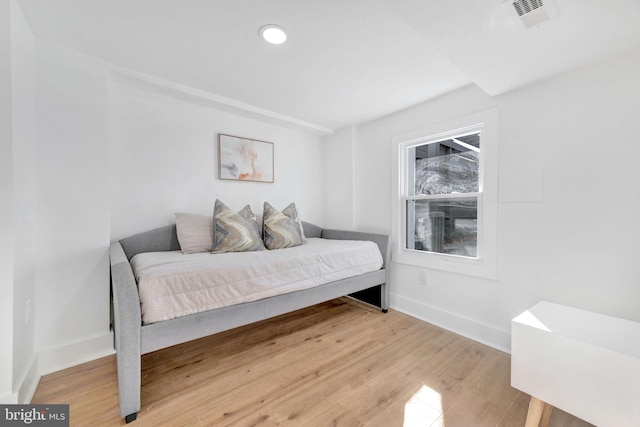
536 408
546 415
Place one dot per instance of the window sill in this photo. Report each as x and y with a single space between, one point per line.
485 268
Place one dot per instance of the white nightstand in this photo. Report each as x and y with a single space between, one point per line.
584 363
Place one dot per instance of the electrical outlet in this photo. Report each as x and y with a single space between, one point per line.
27 315
422 277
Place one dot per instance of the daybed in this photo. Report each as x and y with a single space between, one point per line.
133 337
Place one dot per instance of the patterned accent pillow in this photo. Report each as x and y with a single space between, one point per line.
281 229
235 232
292 212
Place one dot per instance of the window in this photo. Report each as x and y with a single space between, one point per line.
442 192
444 207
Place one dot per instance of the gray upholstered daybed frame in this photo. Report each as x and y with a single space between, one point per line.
133 339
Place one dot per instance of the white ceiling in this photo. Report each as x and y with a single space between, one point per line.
486 40
347 61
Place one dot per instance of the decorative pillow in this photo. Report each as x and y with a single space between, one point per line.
195 232
292 212
235 232
281 229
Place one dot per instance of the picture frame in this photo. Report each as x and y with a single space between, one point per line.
245 159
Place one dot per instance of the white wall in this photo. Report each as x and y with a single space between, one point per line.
584 230
24 204
164 159
339 179
72 290
568 180
6 208
18 367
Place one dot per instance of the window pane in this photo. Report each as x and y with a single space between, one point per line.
448 226
447 166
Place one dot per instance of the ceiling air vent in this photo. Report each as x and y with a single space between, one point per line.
531 12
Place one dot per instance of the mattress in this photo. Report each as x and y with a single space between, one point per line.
173 284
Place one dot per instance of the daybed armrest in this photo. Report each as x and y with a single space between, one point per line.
127 323
382 240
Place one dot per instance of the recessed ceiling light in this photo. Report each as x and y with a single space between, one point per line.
274 34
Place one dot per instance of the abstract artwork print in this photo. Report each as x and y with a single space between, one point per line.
244 159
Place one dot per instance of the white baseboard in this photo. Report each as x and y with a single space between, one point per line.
9 399
68 355
469 328
55 359
29 383
26 386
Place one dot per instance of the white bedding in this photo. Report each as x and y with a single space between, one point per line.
173 284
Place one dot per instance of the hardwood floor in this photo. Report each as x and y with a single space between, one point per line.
341 363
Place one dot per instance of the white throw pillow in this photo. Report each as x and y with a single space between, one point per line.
195 232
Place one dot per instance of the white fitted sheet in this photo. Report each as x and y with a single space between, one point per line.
173 284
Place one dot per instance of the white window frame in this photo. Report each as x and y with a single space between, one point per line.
407 159
485 262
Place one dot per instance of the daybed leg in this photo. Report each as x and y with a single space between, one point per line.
131 417
384 310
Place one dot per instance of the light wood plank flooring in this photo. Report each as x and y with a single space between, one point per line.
341 363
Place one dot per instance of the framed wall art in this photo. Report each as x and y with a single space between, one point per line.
244 159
